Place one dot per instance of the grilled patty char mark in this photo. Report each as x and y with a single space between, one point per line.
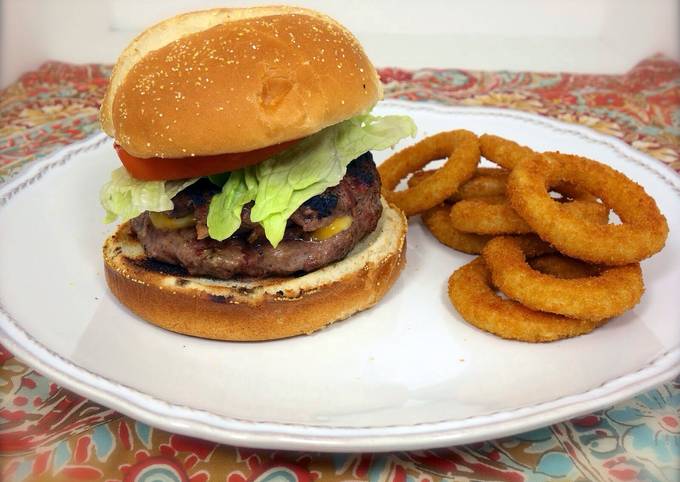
247 252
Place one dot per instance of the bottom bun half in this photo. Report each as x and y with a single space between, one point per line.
263 309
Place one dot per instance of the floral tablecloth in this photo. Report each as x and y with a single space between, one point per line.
49 433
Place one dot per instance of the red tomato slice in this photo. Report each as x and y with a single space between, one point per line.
159 169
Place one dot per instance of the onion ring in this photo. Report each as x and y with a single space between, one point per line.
438 222
495 215
460 147
491 182
471 293
563 267
504 152
613 291
642 233
419 176
487 181
508 154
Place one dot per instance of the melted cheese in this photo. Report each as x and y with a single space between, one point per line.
336 226
163 221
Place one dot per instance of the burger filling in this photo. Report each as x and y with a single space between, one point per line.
323 230
297 211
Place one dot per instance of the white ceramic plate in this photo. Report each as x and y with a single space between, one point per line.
409 373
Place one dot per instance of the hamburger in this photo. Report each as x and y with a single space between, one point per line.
250 201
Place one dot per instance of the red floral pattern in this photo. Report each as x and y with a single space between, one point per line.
49 433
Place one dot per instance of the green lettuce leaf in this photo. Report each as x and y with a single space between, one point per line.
126 197
224 214
285 181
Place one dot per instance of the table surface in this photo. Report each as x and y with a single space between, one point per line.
49 433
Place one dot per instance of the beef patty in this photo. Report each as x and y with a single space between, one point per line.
247 252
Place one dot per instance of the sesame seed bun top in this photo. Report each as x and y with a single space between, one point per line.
235 80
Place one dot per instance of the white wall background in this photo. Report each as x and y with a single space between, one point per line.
599 36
